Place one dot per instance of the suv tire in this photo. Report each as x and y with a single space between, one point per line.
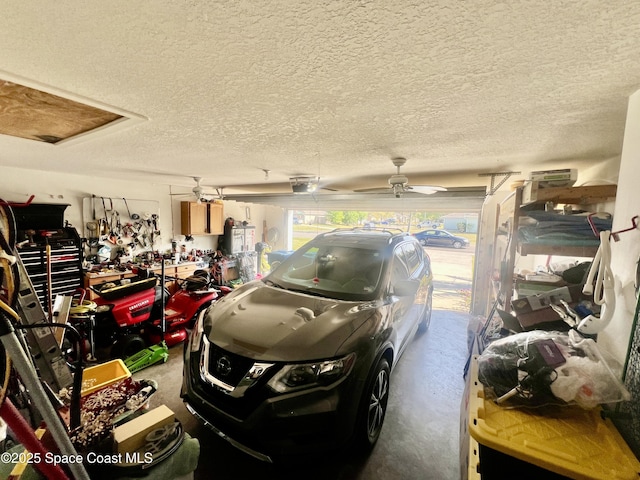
425 320
373 406
127 346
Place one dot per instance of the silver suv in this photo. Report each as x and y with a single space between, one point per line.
301 360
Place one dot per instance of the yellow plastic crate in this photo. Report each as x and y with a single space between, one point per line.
100 376
570 441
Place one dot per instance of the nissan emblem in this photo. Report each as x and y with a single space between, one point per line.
223 366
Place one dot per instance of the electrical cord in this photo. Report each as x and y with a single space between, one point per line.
5 370
77 376
74 409
532 386
7 241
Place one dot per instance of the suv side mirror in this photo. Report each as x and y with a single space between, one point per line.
405 288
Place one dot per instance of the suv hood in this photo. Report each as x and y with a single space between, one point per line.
271 324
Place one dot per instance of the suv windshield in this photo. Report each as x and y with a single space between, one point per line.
343 272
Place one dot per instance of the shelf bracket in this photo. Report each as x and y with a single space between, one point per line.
494 188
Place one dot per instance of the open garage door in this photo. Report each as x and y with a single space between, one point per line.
458 199
452 266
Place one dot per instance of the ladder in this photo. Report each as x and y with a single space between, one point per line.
44 351
43 344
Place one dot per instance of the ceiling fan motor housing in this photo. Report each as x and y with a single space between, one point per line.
304 184
302 188
397 183
398 180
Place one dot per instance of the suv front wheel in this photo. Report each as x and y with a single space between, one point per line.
373 406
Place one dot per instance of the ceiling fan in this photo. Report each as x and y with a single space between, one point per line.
309 184
198 190
304 184
399 183
200 193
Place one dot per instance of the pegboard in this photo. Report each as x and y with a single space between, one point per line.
133 221
627 414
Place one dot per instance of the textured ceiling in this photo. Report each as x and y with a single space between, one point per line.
328 88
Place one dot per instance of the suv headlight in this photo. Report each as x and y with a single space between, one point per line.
305 375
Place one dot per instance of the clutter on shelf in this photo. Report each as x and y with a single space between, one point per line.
539 368
553 228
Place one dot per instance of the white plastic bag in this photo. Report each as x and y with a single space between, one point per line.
540 368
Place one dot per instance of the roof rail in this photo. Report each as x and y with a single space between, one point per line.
391 231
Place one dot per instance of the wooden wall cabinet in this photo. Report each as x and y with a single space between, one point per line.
201 218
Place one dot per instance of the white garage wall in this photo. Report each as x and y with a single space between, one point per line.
625 253
263 217
16 185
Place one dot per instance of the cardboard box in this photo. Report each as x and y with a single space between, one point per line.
555 178
526 288
130 436
534 313
543 299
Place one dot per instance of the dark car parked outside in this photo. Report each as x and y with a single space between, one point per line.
300 361
441 238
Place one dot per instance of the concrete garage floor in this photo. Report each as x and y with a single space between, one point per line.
420 437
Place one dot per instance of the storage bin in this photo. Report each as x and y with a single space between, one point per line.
100 376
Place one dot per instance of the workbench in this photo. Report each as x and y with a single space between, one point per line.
180 270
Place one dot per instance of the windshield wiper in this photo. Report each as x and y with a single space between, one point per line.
271 283
312 292
307 290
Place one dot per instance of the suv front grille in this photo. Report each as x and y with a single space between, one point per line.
227 367
241 390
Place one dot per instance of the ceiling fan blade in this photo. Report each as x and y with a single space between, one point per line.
424 189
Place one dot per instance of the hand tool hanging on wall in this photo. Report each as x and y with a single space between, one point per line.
132 216
155 232
118 226
103 221
126 205
115 227
111 235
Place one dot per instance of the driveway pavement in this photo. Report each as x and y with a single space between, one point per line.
453 277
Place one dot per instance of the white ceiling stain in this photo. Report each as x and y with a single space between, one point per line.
330 88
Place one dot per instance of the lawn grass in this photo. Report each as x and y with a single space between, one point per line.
298 242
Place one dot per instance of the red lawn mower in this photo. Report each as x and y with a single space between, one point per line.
129 314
